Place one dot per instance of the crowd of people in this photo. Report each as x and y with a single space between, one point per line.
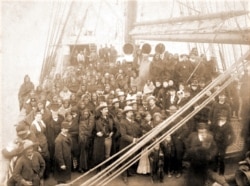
80 117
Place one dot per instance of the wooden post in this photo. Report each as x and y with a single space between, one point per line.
130 19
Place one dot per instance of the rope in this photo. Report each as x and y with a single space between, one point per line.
58 36
46 46
48 56
159 140
80 31
169 132
161 126
107 160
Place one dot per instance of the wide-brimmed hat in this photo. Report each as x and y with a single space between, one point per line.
150 97
157 114
172 109
147 91
28 144
101 106
132 102
115 100
129 98
121 93
22 128
127 109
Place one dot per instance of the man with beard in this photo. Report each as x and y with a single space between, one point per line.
130 133
30 166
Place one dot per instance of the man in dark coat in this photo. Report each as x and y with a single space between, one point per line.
24 90
103 133
74 132
63 155
223 136
29 167
53 128
201 150
130 133
86 126
218 106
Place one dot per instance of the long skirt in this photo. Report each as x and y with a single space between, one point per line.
144 164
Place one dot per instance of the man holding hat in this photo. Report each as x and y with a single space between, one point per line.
29 167
130 133
63 154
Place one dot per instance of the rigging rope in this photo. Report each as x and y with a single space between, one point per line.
162 126
169 132
53 36
80 31
173 129
46 46
58 35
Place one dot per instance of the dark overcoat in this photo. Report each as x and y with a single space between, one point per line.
62 157
29 169
129 131
106 127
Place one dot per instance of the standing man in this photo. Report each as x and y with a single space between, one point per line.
63 155
130 133
201 150
29 167
223 136
103 132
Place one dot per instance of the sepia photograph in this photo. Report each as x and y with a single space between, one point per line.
125 92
